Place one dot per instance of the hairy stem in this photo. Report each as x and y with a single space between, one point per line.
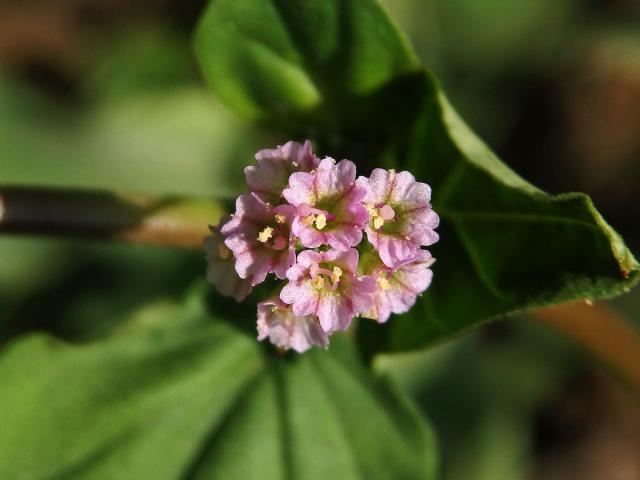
144 219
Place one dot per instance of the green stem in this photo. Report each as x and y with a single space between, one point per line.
144 219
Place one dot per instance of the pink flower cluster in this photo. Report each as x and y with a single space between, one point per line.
303 221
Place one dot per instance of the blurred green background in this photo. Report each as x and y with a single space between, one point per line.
106 94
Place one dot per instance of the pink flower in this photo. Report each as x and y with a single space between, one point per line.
270 176
398 288
221 271
277 321
324 284
329 204
401 217
259 237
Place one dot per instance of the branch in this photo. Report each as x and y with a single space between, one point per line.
601 331
143 219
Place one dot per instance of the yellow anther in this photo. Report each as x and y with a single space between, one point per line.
318 282
321 221
280 218
223 252
383 282
265 234
373 211
379 215
308 221
336 274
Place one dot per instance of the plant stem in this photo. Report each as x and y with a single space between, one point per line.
143 219
601 331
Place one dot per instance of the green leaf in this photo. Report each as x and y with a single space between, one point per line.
175 394
160 141
505 245
305 66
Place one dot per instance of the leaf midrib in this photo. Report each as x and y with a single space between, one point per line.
478 215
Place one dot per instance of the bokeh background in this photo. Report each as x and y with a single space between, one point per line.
106 94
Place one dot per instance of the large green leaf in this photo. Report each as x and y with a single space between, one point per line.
505 245
308 67
175 394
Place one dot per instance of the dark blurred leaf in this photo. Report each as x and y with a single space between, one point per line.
495 380
175 394
505 245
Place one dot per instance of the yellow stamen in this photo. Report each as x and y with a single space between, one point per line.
373 211
309 220
378 222
318 282
223 252
337 273
280 218
383 282
265 234
321 221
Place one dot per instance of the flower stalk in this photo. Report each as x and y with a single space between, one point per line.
99 215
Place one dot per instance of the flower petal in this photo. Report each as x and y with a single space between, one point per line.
301 189
277 322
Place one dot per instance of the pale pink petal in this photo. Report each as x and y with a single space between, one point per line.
299 156
334 312
333 178
270 176
257 266
402 217
302 296
309 257
392 250
297 271
401 182
284 261
301 189
379 185
398 289
416 195
343 238
277 322
309 237
421 227
348 260
221 271
362 292
267 179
